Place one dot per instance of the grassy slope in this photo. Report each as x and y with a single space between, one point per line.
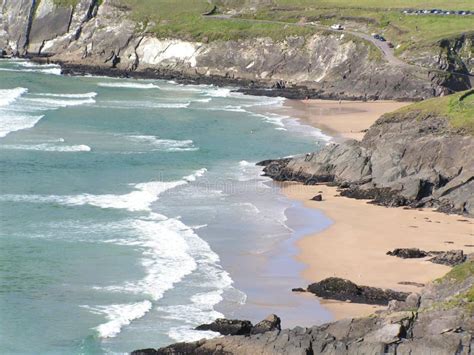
182 18
457 108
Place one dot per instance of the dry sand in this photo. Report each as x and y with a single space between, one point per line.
345 119
355 246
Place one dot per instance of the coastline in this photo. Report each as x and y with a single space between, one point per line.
354 247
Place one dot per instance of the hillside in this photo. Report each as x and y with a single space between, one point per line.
286 46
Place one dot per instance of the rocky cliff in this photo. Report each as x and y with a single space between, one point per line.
414 157
99 36
439 321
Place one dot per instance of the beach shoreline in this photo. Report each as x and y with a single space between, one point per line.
354 247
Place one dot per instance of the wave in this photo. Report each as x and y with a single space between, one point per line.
168 145
8 96
43 103
15 122
218 92
86 95
52 71
140 199
124 85
143 104
118 316
47 147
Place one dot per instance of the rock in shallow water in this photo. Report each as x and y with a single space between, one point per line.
228 326
344 290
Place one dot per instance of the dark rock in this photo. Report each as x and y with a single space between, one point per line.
449 258
144 352
298 289
419 325
228 326
410 283
345 290
317 198
408 253
271 323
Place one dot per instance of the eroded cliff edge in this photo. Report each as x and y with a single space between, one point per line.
101 37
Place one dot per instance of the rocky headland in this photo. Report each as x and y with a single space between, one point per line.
419 156
101 37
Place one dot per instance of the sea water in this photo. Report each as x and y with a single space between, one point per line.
132 211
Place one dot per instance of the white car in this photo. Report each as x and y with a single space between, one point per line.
337 27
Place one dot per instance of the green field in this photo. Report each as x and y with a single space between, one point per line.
182 19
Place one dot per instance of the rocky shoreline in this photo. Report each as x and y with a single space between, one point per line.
411 158
439 320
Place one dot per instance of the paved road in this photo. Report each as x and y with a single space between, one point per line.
386 51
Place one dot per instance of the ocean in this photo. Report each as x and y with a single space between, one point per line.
132 211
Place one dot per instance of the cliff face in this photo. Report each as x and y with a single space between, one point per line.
409 158
104 36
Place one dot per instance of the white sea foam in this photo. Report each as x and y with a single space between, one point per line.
218 92
143 104
47 147
11 122
140 199
87 95
8 96
128 85
168 145
51 103
118 316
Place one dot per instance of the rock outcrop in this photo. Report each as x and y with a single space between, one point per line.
344 290
440 320
100 37
408 158
449 258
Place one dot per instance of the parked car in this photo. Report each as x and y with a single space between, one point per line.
337 27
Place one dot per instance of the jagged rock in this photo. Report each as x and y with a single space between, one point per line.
318 198
407 158
228 326
408 253
426 324
271 323
449 258
345 290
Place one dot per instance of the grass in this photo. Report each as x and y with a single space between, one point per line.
64 3
457 108
182 19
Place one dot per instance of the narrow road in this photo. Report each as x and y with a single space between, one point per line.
386 51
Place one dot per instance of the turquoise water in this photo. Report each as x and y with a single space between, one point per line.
131 211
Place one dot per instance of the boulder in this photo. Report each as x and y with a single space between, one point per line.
228 326
449 258
345 290
408 253
271 323
318 198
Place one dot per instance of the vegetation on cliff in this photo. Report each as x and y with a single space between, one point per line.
457 108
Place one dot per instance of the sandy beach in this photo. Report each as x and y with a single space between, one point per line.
340 119
355 245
